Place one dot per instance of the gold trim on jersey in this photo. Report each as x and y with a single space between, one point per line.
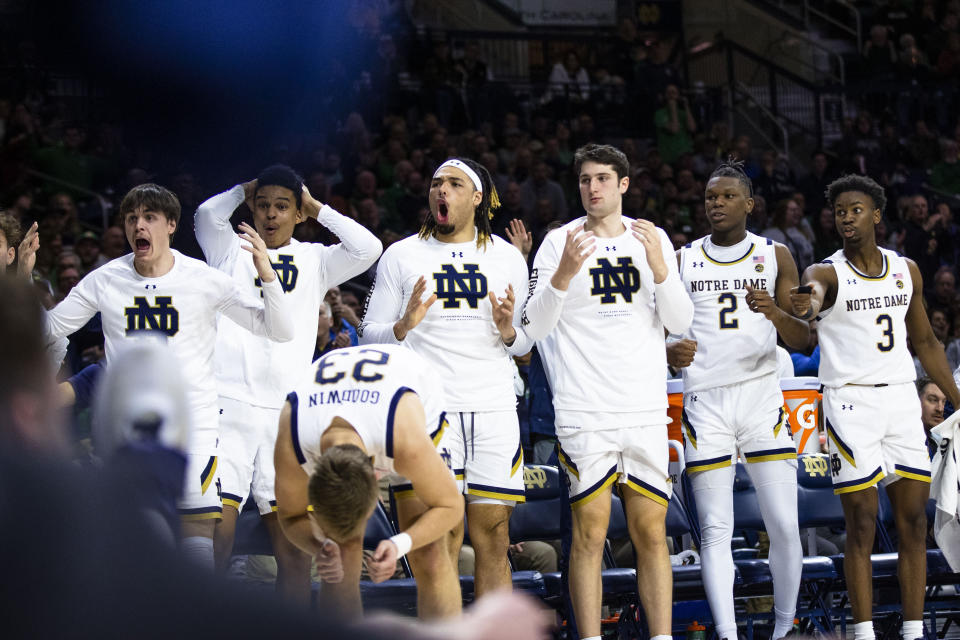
753 246
882 276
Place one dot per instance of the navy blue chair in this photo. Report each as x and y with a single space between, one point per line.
398 594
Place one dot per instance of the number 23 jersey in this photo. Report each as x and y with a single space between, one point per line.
362 385
863 336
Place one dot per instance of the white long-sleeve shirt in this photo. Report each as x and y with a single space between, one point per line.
457 335
602 339
248 367
183 304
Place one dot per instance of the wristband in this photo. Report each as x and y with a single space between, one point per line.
404 543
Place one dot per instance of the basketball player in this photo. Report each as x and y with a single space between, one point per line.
360 412
740 285
254 374
159 289
469 334
867 301
599 329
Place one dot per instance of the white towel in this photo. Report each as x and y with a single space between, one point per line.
945 489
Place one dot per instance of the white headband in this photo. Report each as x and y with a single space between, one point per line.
463 167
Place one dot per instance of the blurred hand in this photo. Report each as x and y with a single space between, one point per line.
519 237
342 340
680 354
329 562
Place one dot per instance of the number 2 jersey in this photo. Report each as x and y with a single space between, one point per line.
183 305
863 336
457 335
362 385
734 344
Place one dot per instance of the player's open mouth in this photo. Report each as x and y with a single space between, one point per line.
849 231
442 212
717 214
269 229
142 244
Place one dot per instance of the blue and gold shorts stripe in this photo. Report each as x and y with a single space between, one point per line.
841 446
592 492
766 455
203 513
911 472
273 505
781 420
858 485
567 462
230 500
498 493
207 475
437 434
688 428
405 490
459 474
710 463
647 490
517 461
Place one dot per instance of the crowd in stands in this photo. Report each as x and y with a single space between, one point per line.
374 159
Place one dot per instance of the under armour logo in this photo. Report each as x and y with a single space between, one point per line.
610 248
287 272
844 407
456 254
693 398
149 286
851 281
162 317
610 280
454 286
696 264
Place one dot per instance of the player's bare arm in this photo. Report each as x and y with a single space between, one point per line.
291 488
646 232
416 310
794 331
27 252
416 458
578 246
818 291
928 348
503 315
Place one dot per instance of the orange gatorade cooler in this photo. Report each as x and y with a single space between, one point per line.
674 409
802 398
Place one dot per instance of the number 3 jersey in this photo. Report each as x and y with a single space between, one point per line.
863 336
734 344
362 385
457 335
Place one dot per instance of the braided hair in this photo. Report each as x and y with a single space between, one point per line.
733 168
483 212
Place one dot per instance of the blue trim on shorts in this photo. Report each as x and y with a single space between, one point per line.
294 428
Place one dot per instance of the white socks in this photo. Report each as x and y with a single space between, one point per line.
199 552
863 631
784 624
662 638
912 629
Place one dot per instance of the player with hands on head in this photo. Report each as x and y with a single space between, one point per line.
740 285
253 374
359 412
867 301
449 294
603 288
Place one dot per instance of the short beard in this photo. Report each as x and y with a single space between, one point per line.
445 229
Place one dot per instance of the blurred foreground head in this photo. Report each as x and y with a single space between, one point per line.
28 416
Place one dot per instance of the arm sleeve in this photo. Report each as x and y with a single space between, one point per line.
212 226
358 248
383 307
520 281
271 319
673 304
74 311
541 312
84 383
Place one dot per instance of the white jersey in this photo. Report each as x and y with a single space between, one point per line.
249 368
362 385
734 344
863 336
183 304
606 352
457 335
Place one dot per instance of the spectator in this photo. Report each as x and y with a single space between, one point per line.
940 324
510 208
785 229
814 184
344 318
944 295
569 82
9 240
67 162
775 181
923 146
113 244
675 126
879 54
827 240
326 341
946 173
538 187
87 246
920 242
